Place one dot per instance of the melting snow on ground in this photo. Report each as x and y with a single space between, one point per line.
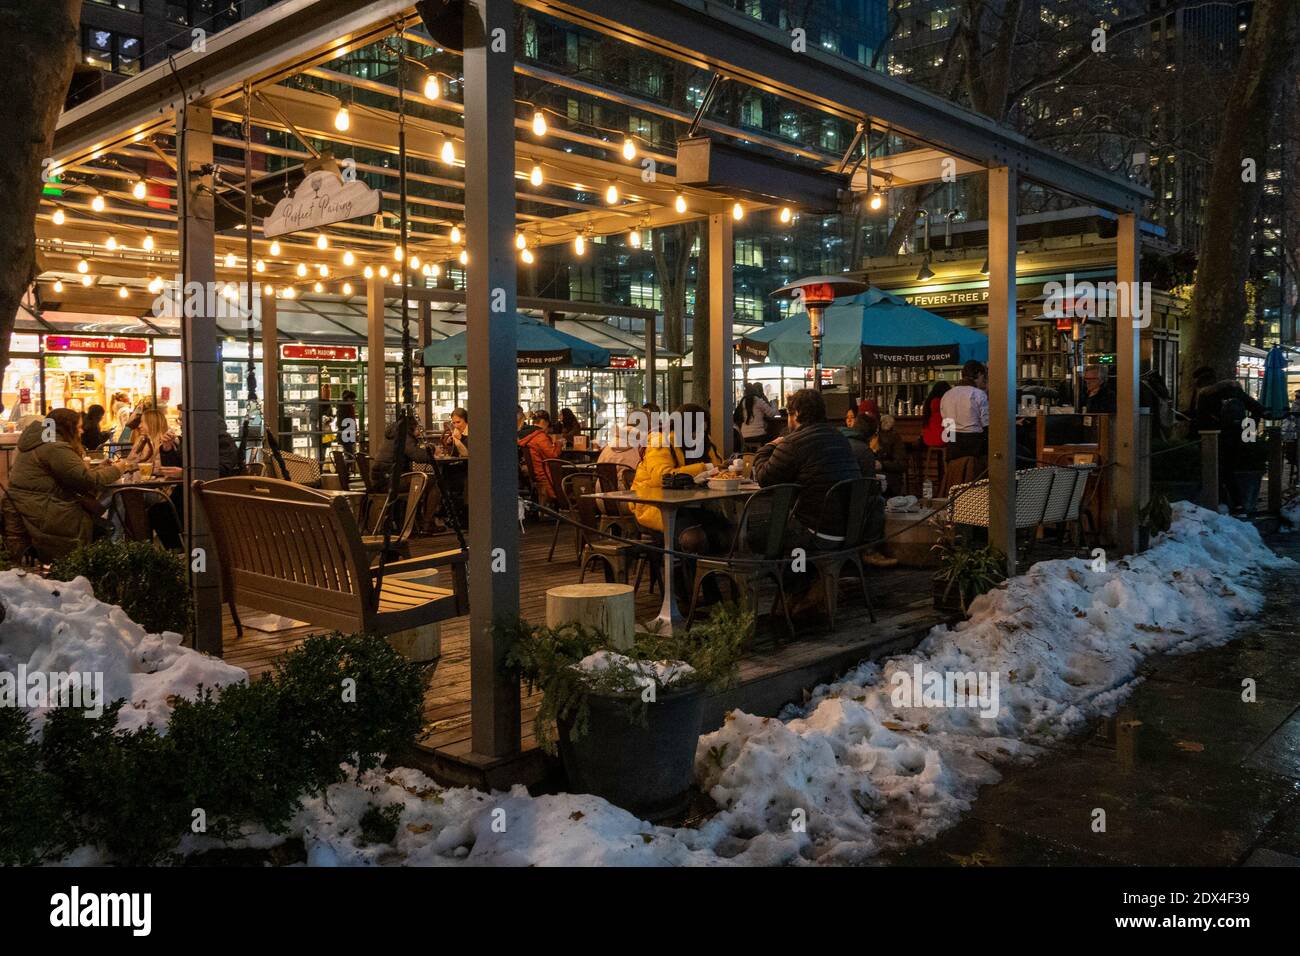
865 765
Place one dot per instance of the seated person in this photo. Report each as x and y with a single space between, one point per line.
381 465
624 448
890 454
537 445
92 432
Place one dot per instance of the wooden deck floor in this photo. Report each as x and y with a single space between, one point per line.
771 675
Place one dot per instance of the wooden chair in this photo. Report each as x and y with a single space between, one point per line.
849 498
745 567
294 551
399 546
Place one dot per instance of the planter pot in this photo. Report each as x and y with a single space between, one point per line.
1246 484
646 770
950 604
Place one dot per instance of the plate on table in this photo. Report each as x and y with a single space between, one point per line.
732 484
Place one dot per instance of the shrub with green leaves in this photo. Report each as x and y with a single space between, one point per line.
152 586
968 569
243 754
379 824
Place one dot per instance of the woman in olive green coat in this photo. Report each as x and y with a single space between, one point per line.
52 491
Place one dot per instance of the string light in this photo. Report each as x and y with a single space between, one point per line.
527 256
322 241
368 272
432 89
123 292
87 280
111 243
520 241
97 203
877 200
397 253
680 204
349 259
147 243
629 149
301 270
318 288
383 272
139 190
231 292
397 279
611 194
347 288
83 267
415 263
448 152
539 123
58 285
289 292
737 212
786 214
464 257
579 244
535 176
455 235
259 265
275 247
156 285
342 120
323 271
435 270
268 290
58 217
634 238
230 260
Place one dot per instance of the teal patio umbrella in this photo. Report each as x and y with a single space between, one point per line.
1273 395
875 327
538 346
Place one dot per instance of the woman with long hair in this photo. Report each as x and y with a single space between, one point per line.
754 416
52 499
153 438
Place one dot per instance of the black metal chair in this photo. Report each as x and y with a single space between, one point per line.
745 565
849 499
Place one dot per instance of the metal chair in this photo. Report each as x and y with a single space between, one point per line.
617 557
746 567
557 470
399 545
849 498
615 516
129 505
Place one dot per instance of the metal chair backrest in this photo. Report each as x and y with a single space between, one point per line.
363 469
847 499
610 475
779 502
131 505
556 470
419 481
342 467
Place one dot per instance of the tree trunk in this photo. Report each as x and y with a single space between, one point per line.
38 45
1215 323
672 252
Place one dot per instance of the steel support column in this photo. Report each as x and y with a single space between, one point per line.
1128 333
201 360
722 255
493 373
1002 362
426 373
270 382
375 362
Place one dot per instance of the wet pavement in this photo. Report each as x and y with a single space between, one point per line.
1186 773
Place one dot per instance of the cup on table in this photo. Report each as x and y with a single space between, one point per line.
146 470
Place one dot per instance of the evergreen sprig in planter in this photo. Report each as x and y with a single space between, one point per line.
965 572
625 722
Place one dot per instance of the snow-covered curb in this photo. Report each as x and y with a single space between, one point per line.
854 771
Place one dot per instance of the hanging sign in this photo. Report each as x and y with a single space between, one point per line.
622 361
545 358
96 346
928 355
320 353
321 198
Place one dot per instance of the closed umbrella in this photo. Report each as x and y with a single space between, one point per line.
1273 396
537 346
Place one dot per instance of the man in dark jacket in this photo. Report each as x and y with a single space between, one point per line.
1225 405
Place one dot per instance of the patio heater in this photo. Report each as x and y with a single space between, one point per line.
816 293
1073 329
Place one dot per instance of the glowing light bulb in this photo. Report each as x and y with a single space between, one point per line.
397 253
634 238
139 190
527 256
58 285
383 271
147 243
349 259
156 284
111 243
289 292
535 177
58 217
432 89
448 152
83 267
230 260
579 244
680 203
737 212
629 149
368 272
520 241
301 270
455 235
268 290
87 280
786 214
259 265
322 241
318 288
611 194
464 257
231 292
347 288
435 270
342 120
275 247
122 292
323 271
414 263
539 123
877 200
397 279
97 203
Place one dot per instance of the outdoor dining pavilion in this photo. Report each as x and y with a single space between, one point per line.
491 174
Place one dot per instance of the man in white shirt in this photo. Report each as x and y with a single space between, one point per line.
965 407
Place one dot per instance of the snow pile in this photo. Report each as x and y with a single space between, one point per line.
865 766
639 674
59 627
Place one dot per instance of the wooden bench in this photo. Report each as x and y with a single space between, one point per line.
294 551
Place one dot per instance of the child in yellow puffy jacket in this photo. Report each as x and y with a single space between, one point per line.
663 457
